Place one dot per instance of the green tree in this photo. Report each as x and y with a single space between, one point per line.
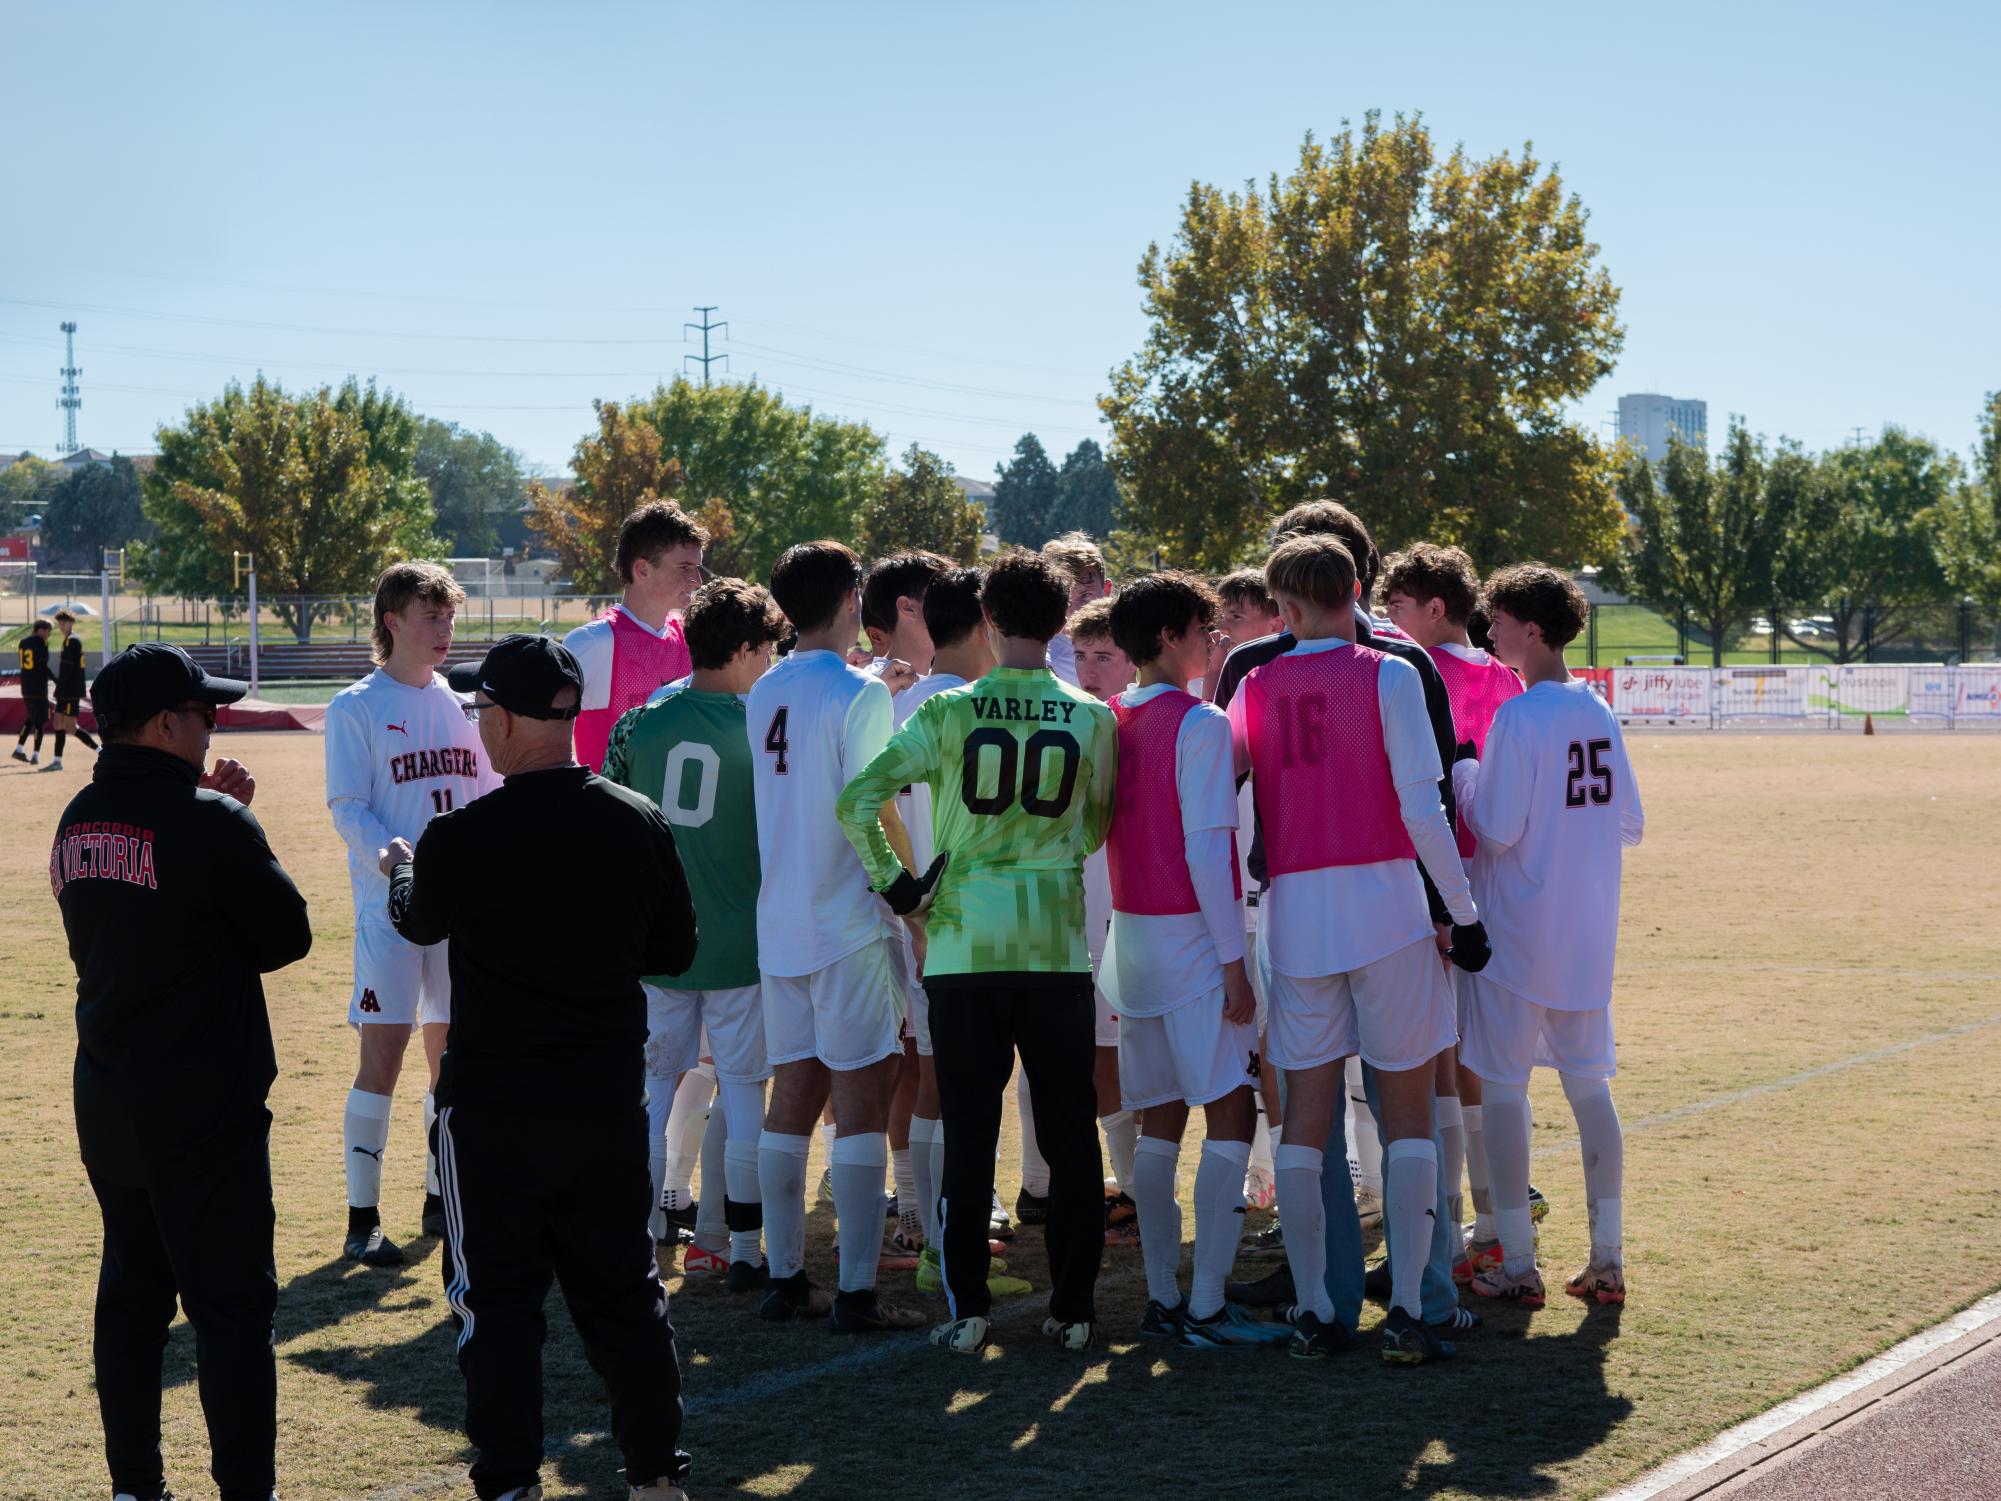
619 468
1708 535
1025 494
94 507
1862 551
1087 493
1966 527
778 473
317 486
26 486
475 480
1383 328
921 506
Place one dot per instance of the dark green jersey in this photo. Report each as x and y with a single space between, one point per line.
690 753
1021 768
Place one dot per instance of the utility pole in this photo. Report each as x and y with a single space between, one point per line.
71 398
1858 437
707 328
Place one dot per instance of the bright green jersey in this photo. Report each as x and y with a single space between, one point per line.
690 753
1021 768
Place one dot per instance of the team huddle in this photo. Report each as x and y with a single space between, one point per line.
1340 880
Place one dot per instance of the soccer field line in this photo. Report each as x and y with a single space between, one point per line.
1790 1081
1874 971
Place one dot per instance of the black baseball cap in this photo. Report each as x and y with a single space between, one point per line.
142 680
524 675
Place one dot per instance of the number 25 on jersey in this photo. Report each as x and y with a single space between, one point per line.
1590 779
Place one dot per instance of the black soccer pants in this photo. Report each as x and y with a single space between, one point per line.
975 1033
203 1236
563 1192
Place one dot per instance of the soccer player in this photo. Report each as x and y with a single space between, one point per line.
1083 566
1186 1012
399 751
1430 594
1104 672
1020 768
1346 777
35 680
69 689
1553 804
690 753
638 644
833 1011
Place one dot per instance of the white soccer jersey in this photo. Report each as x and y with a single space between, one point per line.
397 757
1165 959
1554 803
914 802
814 723
592 645
1063 658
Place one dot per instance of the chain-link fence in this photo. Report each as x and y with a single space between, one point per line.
1621 635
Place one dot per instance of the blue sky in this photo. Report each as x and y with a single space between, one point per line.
929 216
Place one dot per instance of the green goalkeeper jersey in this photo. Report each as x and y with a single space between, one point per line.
690 753
1021 768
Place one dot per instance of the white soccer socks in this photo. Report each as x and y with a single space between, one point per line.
903 1168
685 1124
660 1095
430 1156
1034 1171
1155 1166
365 1133
1410 1200
923 1178
1219 1221
711 1227
858 1163
1477 1177
781 1181
1305 1221
1364 1140
1604 1147
1507 1121
741 1187
1448 1119
1121 1129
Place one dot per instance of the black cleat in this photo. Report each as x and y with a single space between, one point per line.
371 1247
794 1297
890 1208
1273 1290
863 1312
747 1277
681 1221
1408 1341
434 1214
1031 1209
1376 1281
1313 1340
1267 1245
999 1226
1159 1322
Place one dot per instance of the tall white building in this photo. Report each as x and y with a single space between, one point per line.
1647 419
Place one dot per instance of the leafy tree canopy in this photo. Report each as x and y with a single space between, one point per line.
921 506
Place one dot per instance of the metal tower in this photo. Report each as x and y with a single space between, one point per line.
71 398
707 328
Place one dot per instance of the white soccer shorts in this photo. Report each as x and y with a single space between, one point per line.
1188 1054
848 1015
735 1022
1108 1021
1396 1012
917 1005
396 980
1507 1037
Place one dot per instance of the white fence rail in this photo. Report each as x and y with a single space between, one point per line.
1818 697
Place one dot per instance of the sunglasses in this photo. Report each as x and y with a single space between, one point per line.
207 712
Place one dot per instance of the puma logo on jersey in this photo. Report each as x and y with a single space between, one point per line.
369 1002
399 729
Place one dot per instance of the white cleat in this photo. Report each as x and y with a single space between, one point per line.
1069 1336
967 1336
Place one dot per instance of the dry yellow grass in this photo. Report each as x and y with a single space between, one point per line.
1802 904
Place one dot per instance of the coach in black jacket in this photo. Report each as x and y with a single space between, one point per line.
541 1128
174 905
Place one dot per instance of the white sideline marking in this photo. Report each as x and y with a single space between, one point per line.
1774 1086
1985 1314
1709 966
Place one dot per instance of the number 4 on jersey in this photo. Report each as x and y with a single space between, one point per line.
775 743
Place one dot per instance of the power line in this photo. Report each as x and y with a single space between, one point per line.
707 328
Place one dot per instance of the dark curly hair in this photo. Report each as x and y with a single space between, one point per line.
1541 596
1027 595
727 615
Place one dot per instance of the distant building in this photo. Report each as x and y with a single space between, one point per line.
1646 419
980 492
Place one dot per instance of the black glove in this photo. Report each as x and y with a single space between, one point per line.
1466 751
1470 949
908 893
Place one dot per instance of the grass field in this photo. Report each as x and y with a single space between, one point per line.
1810 1016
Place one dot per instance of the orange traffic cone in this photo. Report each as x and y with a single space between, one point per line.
1868 724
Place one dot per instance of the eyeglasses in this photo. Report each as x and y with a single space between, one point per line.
207 712
473 711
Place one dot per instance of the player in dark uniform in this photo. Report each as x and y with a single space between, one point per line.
69 689
35 676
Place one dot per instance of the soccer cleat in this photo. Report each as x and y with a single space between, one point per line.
1369 1208
864 1312
1069 1335
1231 1327
55 764
747 1277
165 1495
679 1218
826 1185
698 1262
1478 1256
371 1247
660 1490
968 1336
999 1226
1538 1205
1462 1320
434 1214
931 1277
522 1493
890 1208
1409 1341
1606 1283
1498 1282
794 1297
1313 1340
1376 1281
1267 1244
1260 1188
1159 1322
34 758
1031 1209
1273 1290
897 1256
19 754
1119 1207
1123 1236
